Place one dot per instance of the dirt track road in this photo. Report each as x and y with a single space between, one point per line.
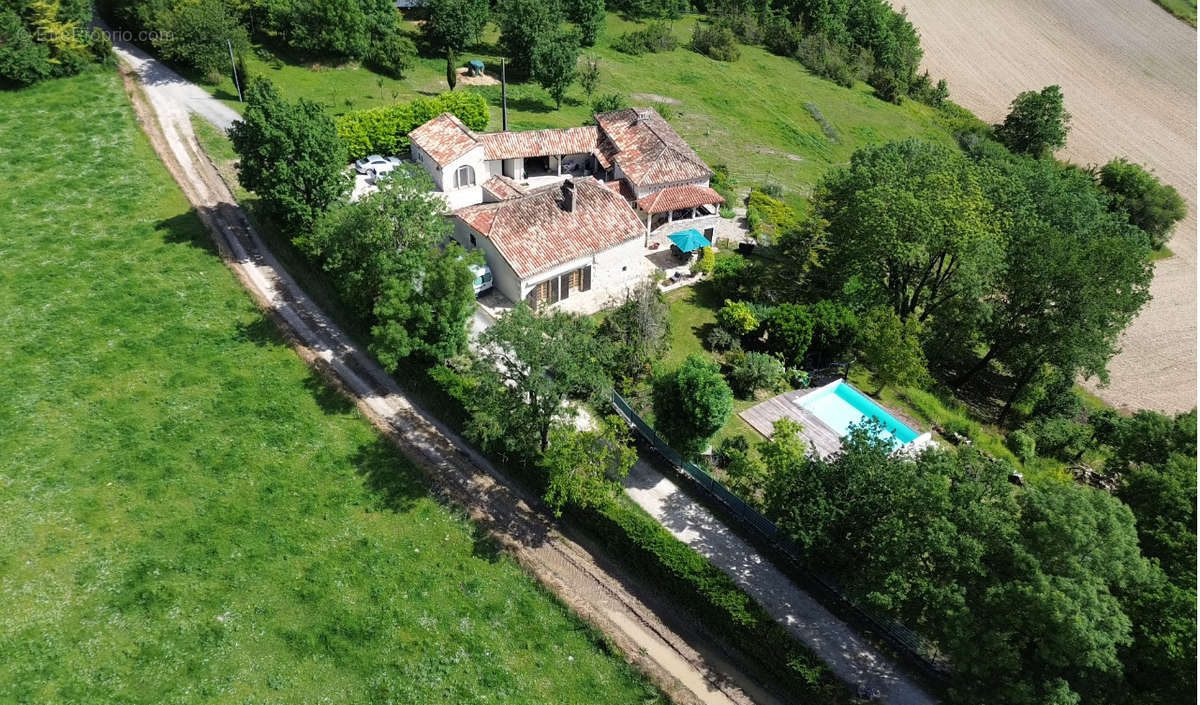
1128 71
680 658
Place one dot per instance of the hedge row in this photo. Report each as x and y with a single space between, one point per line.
385 130
713 597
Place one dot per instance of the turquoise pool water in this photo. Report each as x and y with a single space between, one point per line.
841 406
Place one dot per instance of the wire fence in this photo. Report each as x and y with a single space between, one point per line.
903 640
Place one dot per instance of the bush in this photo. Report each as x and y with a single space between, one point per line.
384 130
1022 445
654 38
715 42
691 404
738 318
609 102
705 262
721 340
1151 205
826 59
754 372
714 598
781 37
728 447
392 55
789 332
1062 438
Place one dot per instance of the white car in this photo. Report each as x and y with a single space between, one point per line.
483 278
375 165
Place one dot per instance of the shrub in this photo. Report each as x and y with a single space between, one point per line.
1062 438
789 332
1022 445
728 446
1151 205
756 371
826 59
781 37
392 55
705 262
715 42
384 130
714 598
654 38
727 271
609 102
721 340
737 317
691 404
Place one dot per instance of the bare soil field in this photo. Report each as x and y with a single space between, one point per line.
1128 71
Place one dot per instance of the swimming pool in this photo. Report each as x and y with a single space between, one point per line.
840 406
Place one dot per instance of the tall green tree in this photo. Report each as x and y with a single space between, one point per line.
891 347
194 34
527 369
584 468
1037 124
1151 205
380 239
789 332
910 222
553 63
691 404
589 17
426 308
290 155
455 25
524 25
589 77
1074 275
639 329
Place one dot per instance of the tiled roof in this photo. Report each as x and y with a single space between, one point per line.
622 187
539 143
503 188
674 198
648 150
535 232
444 138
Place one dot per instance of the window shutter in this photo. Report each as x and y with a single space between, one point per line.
564 285
587 279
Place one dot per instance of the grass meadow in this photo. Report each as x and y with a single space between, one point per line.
754 115
189 515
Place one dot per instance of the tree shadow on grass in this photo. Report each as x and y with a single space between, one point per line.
186 229
389 476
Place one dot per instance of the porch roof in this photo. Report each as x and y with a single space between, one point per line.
677 197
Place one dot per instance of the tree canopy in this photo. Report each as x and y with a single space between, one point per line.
584 468
691 404
455 25
910 222
1037 124
527 368
553 63
289 154
1151 205
524 25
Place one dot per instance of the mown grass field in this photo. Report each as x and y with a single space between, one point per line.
187 514
750 115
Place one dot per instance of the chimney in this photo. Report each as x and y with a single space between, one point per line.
568 191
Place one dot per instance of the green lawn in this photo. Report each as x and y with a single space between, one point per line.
750 114
187 514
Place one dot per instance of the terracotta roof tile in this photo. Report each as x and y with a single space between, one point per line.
503 188
539 143
535 231
648 150
444 138
676 197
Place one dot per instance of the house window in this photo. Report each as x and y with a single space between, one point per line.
464 176
473 243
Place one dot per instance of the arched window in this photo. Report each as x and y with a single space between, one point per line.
464 176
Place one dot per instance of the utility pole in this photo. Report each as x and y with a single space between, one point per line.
233 63
503 99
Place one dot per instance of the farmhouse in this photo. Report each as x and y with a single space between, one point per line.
562 212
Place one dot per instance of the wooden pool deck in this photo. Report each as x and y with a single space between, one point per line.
762 417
